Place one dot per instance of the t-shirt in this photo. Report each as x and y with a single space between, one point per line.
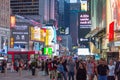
111 70
90 68
102 70
54 64
71 66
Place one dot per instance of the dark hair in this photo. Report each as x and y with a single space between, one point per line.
82 64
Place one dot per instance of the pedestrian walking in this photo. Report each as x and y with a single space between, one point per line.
71 69
111 74
20 67
4 67
90 69
64 63
33 67
60 71
12 66
46 67
117 70
50 69
81 73
102 70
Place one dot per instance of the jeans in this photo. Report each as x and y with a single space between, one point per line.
102 77
65 76
71 74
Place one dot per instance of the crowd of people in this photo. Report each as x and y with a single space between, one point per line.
62 68
75 69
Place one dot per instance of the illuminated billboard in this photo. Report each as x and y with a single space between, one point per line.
20 33
50 35
12 21
48 51
35 33
84 22
111 31
85 19
48 38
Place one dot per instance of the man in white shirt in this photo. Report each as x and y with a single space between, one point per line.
111 74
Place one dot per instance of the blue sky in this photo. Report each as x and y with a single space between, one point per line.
73 1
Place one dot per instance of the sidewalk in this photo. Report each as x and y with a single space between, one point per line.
26 75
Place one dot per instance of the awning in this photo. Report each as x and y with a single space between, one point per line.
95 32
93 48
92 33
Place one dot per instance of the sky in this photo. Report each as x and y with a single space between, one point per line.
73 1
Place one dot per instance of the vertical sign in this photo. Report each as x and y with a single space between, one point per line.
12 21
84 22
111 31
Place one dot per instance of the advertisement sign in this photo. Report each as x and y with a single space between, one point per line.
48 51
85 19
20 34
111 31
42 34
35 33
48 40
84 22
12 21
50 35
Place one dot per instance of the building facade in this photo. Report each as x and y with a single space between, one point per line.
40 10
4 23
23 7
63 10
74 13
99 24
48 10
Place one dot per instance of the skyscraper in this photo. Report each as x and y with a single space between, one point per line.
48 8
64 7
4 23
42 10
25 7
4 13
74 13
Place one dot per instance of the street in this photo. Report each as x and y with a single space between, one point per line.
26 75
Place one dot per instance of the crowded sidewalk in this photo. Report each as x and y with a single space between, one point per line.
26 75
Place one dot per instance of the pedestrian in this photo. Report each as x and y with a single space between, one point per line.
64 63
50 69
90 69
20 67
102 70
60 71
42 65
16 64
37 66
54 64
33 67
111 74
12 66
81 73
46 67
77 63
117 70
71 69
4 67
